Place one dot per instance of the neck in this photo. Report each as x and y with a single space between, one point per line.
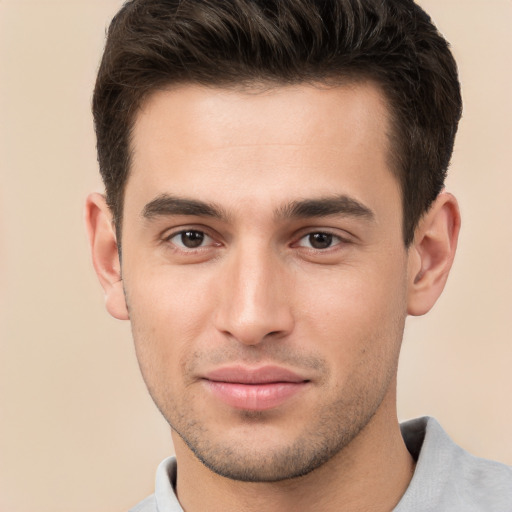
370 474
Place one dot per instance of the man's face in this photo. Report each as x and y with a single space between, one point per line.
265 272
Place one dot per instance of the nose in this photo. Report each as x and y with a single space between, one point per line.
255 303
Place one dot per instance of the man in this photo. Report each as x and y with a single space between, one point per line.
274 210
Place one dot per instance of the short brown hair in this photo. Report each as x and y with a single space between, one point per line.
154 43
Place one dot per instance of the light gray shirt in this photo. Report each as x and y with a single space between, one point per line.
446 478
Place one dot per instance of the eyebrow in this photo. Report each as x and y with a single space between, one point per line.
167 205
325 207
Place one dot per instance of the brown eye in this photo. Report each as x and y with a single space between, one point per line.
189 239
319 240
192 239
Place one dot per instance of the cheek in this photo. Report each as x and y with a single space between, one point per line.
169 314
357 313
170 298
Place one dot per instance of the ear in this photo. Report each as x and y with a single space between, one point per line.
105 255
431 254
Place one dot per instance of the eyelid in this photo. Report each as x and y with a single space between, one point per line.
336 241
169 234
169 231
204 241
341 235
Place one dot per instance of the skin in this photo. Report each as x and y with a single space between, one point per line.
232 166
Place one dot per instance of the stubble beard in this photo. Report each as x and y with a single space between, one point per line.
329 429
326 435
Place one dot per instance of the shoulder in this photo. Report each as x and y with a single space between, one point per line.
147 505
448 477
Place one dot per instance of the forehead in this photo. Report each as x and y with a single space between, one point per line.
241 145
295 114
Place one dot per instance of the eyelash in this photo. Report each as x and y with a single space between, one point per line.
333 239
182 247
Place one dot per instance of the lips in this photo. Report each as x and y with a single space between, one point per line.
254 389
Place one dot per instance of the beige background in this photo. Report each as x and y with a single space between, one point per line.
78 431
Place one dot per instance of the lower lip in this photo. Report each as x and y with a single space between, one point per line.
255 397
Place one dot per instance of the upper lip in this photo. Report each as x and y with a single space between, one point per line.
247 375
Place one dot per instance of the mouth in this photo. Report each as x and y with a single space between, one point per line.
254 389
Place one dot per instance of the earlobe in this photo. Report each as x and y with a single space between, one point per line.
105 256
431 254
